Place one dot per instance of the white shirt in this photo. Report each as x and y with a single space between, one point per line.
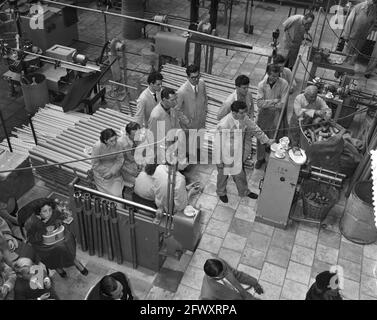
144 186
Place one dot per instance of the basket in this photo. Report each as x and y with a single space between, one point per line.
312 209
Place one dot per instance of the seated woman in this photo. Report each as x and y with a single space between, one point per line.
62 254
107 169
27 286
130 169
143 190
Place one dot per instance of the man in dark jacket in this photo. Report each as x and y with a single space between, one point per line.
111 287
325 287
222 282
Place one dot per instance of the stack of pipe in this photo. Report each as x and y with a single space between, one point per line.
48 122
69 145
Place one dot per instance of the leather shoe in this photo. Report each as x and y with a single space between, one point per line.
252 195
259 163
224 198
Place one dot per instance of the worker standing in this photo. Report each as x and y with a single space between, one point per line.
237 119
271 98
192 103
295 28
357 27
148 99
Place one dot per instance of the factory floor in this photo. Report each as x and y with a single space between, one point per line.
284 261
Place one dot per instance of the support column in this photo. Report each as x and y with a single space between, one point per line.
132 29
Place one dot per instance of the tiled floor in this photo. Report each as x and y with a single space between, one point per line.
284 261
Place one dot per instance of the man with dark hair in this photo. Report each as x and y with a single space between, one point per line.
228 127
241 93
192 102
271 97
295 28
326 287
222 282
149 98
111 287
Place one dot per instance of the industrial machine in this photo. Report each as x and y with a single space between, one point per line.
280 188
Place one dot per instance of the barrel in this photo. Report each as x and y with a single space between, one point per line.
35 92
358 222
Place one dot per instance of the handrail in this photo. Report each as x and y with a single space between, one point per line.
117 199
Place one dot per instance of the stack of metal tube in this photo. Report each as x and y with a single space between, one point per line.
98 226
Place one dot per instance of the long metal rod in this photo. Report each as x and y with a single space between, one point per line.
5 131
230 21
113 198
202 35
32 129
122 85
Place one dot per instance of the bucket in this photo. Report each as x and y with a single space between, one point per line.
35 91
357 223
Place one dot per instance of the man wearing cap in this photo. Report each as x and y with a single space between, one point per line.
326 287
222 282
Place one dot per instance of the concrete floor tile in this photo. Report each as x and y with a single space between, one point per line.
234 242
293 290
369 267
217 228
309 227
222 213
230 256
249 270
245 213
306 239
207 201
258 241
370 251
302 255
326 254
186 293
168 279
278 256
351 289
298 272
351 270
273 274
233 203
329 238
157 293
282 239
205 216
263 228
366 297
253 258
193 277
177 265
200 257
319 266
139 287
368 286
210 189
210 243
271 291
240 227
351 252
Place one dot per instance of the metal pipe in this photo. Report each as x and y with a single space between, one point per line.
229 24
32 128
116 199
133 237
122 84
115 232
105 221
88 222
5 132
228 41
78 206
98 224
